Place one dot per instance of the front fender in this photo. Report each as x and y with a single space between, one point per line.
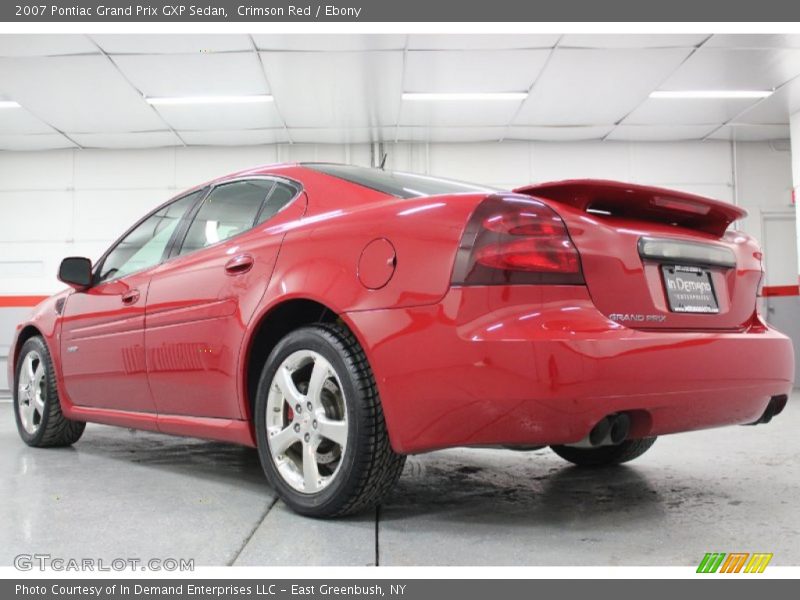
44 320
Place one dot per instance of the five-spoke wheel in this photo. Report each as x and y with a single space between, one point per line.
36 404
31 391
306 421
320 430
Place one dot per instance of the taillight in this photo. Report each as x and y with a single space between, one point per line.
516 241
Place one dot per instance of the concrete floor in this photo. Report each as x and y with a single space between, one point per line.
119 493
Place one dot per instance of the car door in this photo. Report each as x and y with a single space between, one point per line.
102 331
201 301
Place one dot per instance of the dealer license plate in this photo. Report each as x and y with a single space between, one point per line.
689 289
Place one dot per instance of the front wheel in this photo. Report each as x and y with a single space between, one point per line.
321 434
605 455
37 408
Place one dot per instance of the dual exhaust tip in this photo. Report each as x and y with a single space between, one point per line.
775 406
614 429
611 430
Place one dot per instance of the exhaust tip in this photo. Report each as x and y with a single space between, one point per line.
600 432
775 406
620 427
611 430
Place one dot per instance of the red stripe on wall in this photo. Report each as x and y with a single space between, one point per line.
20 301
781 290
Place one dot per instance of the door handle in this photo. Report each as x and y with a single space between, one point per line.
239 264
131 297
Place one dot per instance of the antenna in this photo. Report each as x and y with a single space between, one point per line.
383 160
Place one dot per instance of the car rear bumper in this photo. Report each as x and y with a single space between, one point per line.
541 366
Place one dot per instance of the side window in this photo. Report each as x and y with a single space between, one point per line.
281 195
229 209
144 246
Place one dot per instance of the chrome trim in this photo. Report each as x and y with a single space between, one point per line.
681 252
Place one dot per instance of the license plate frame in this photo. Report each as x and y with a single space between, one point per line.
689 290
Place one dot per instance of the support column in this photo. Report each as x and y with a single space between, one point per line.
794 133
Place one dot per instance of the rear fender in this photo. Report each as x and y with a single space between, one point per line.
390 254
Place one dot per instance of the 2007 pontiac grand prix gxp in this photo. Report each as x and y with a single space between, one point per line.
339 318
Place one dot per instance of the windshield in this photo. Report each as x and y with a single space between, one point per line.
397 183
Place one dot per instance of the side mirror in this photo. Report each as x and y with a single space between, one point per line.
76 272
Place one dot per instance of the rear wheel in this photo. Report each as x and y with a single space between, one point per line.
605 455
37 408
320 429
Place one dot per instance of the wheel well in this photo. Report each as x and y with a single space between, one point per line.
273 326
27 333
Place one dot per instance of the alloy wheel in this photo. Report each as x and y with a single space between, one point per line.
31 392
307 425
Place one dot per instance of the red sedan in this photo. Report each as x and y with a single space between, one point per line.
339 318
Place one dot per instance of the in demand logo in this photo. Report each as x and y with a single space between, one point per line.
735 562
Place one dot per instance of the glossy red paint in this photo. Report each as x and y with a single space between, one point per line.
544 365
454 365
106 323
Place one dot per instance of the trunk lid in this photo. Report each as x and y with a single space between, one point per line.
656 258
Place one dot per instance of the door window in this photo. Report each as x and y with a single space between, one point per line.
229 210
144 246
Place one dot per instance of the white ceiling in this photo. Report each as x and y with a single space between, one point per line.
88 91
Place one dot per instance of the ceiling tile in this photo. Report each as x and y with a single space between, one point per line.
45 141
339 89
459 41
314 152
465 113
775 109
172 43
612 40
660 133
338 135
219 117
596 87
735 69
558 134
329 42
140 139
234 138
26 44
752 133
19 120
103 102
449 134
228 74
753 40
687 111
473 71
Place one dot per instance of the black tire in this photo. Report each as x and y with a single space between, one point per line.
605 455
369 467
53 429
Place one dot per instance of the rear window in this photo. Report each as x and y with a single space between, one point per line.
397 183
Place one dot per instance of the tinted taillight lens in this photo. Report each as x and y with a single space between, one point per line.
511 240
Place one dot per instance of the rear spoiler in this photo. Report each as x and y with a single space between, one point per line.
631 201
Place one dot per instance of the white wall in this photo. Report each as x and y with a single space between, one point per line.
74 202
57 203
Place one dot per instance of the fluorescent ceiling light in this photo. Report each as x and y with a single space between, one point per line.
209 100
465 96
721 94
9 104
